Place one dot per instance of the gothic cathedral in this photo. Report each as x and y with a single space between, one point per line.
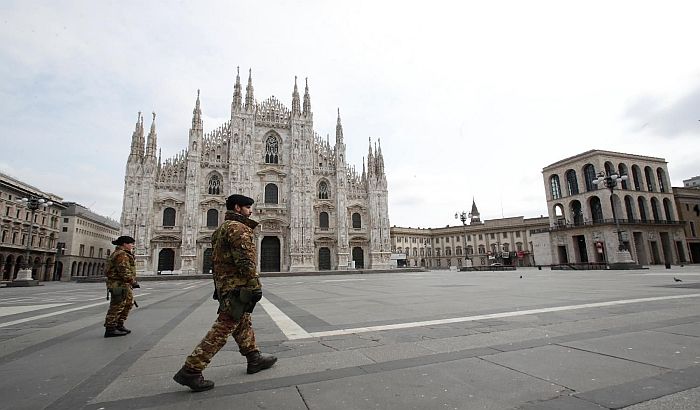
315 211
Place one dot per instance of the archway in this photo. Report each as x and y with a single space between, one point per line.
358 255
207 264
324 259
166 260
270 254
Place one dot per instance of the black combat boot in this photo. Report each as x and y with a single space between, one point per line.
114 332
257 361
123 329
193 379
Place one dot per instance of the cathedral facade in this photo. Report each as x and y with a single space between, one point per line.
315 211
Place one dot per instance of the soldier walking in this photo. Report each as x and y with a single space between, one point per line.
238 289
121 277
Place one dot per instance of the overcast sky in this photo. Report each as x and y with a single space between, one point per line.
469 99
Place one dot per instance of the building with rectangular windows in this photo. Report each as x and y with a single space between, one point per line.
688 205
85 242
693 182
16 224
507 241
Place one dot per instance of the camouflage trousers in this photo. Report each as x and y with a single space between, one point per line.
119 309
241 330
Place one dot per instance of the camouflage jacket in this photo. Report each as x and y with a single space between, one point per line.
234 256
121 268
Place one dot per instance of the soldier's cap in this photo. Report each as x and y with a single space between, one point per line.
123 239
240 200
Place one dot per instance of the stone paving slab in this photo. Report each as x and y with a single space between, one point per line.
656 348
285 398
462 384
574 369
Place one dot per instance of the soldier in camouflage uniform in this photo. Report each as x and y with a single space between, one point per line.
121 276
238 289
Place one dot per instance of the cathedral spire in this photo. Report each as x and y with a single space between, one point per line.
380 158
249 92
295 99
474 214
152 136
338 130
364 175
370 160
137 138
237 94
197 115
307 99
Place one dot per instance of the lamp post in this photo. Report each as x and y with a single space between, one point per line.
623 258
610 181
464 216
32 203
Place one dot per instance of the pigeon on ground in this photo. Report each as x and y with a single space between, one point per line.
675 279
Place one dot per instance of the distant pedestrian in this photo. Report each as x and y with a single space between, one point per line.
238 289
121 277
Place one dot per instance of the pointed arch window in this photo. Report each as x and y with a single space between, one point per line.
356 221
555 186
323 190
271 196
169 217
271 150
214 185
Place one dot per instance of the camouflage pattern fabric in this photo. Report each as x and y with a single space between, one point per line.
120 274
241 330
119 310
234 255
121 268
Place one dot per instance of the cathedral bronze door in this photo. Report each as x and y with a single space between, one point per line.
270 254
207 264
358 255
324 259
166 260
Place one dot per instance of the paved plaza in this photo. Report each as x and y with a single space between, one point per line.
525 339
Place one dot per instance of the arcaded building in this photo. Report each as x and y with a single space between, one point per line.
315 210
583 216
18 229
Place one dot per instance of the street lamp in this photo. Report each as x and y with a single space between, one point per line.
464 216
610 181
32 203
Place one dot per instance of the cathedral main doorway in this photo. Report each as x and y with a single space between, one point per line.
166 260
358 255
324 259
207 265
270 254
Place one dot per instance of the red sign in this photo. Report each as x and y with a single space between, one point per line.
521 254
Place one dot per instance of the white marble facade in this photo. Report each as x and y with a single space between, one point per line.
316 212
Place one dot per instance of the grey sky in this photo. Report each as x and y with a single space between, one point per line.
469 99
